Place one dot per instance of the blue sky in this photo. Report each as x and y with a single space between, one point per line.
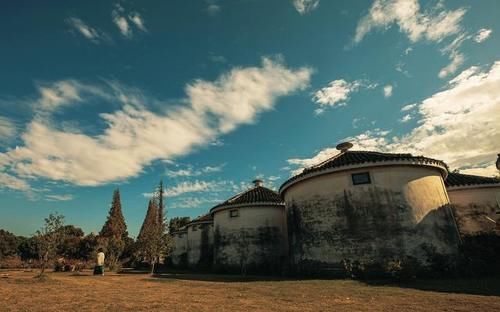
209 94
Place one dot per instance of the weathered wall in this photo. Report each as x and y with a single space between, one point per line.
404 211
472 204
179 250
200 245
255 241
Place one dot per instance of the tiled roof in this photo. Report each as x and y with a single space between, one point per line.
258 194
205 218
363 157
458 179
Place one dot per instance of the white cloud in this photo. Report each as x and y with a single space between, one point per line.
305 6
458 125
388 91
192 187
482 35
433 25
190 172
88 32
138 21
213 9
408 107
194 202
7 129
406 118
337 92
125 21
457 59
65 197
12 182
134 136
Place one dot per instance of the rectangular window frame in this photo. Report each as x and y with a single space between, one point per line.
234 213
360 174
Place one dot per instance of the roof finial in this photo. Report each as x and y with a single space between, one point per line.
344 146
258 182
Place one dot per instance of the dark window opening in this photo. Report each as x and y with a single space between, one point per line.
234 213
361 178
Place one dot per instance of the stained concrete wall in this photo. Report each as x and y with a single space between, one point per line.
253 242
472 204
200 245
179 251
404 211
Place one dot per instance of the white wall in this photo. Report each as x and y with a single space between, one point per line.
256 236
472 205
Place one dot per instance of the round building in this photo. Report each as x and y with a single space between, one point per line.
476 202
179 249
250 232
200 242
369 207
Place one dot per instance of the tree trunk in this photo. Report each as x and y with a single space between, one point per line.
153 268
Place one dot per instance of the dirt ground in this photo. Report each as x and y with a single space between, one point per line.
19 291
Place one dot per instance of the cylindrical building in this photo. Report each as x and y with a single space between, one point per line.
200 242
250 232
369 207
476 202
179 250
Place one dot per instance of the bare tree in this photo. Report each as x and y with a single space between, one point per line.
48 238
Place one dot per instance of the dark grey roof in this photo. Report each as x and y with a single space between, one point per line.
205 218
458 179
258 194
348 158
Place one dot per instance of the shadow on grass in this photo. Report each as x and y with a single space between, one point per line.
221 278
473 286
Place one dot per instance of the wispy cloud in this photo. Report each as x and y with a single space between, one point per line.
65 197
134 136
194 202
305 6
124 21
337 93
482 35
433 25
7 130
388 90
191 172
90 33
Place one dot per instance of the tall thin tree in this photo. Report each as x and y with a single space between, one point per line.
114 232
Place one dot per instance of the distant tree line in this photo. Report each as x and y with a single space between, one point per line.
63 246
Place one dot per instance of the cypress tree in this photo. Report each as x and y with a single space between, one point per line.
114 232
161 207
150 221
115 225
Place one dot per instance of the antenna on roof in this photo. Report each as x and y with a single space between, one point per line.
344 146
258 182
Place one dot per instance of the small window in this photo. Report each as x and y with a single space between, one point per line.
195 228
234 213
361 178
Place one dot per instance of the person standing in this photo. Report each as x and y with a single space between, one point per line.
99 267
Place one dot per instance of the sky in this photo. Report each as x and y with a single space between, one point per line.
208 95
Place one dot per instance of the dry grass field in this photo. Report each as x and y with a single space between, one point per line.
19 291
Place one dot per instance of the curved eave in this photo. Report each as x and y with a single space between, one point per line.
432 164
179 232
472 186
246 205
199 222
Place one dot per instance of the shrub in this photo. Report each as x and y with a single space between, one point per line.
11 262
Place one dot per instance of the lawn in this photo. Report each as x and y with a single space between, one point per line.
19 291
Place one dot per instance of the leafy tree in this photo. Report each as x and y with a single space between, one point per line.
48 239
176 223
28 249
88 246
114 232
8 244
70 245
